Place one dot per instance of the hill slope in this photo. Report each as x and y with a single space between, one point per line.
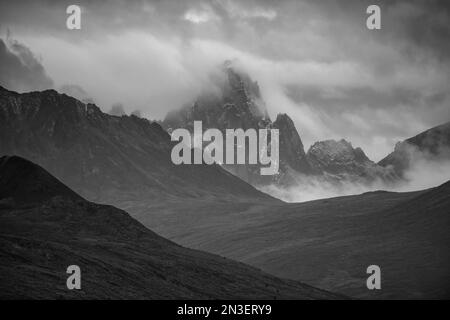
119 258
328 243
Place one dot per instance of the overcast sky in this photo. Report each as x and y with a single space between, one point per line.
314 60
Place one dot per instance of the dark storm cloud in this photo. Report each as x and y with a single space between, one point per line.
275 29
423 24
20 70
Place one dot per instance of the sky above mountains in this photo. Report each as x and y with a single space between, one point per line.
314 60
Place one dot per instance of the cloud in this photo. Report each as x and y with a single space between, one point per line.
117 110
203 15
137 113
426 173
143 71
76 91
314 60
241 10
425 170
20 69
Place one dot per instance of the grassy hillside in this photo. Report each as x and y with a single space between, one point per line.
327 243
119 258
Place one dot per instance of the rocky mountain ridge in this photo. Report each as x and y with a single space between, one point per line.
339 158
101 156
237 103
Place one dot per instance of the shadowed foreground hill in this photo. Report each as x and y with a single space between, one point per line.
41 235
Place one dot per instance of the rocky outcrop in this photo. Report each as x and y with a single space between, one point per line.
292 151
238 104
341 159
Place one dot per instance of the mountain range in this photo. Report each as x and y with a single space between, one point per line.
236 102
102 156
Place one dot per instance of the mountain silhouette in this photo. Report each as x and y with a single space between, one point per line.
26 184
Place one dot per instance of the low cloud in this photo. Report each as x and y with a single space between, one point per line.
137 113
117 109
425 171
20 69
77 92
310 188
426 174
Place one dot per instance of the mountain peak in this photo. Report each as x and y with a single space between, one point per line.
25 182
338 157
283 117
238 104
337 149
235 102
291 146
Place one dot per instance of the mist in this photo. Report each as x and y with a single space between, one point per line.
310 188
425 171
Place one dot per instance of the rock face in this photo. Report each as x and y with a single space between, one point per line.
237 103
101 156
430 145
291 146
341 159
119 258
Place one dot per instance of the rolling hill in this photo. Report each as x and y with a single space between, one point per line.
41 235
327 243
